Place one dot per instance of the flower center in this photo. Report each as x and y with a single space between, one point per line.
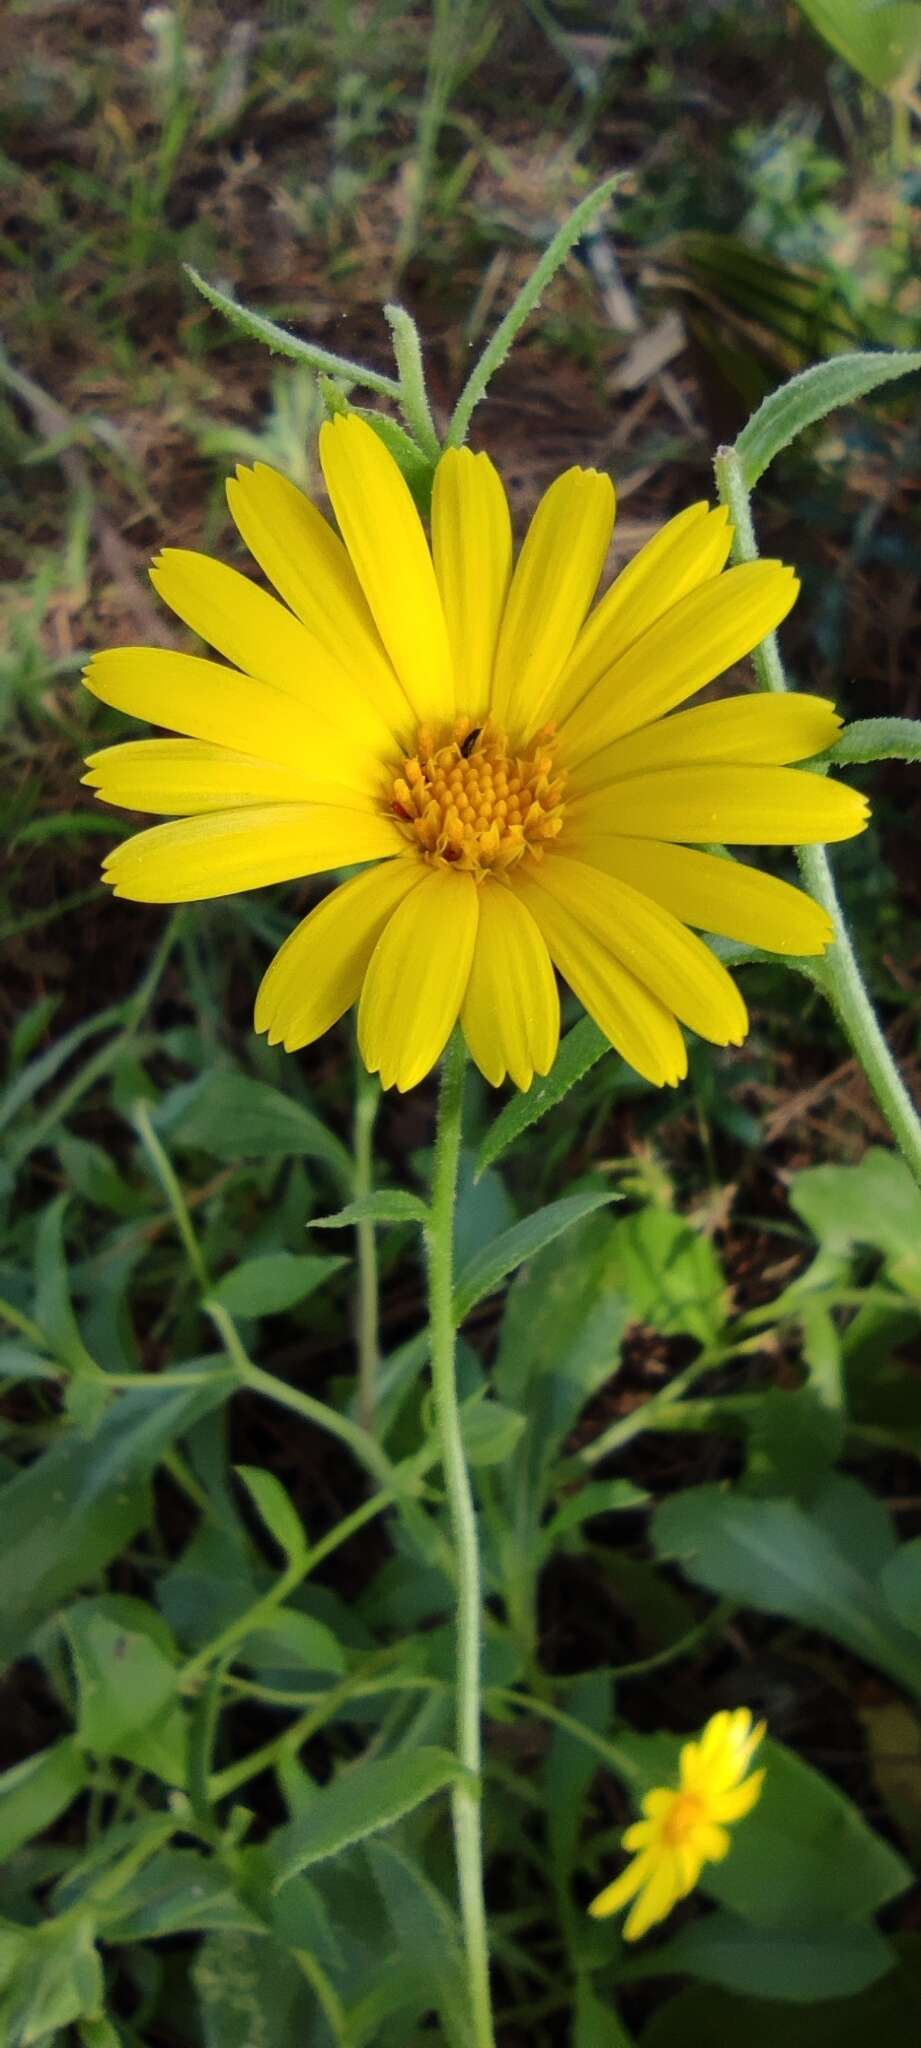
684 1815
469 802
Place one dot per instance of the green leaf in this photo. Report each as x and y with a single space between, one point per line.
272 1503
43 1068
53 1977
99 2033
18 1361
386 1205
595 2022
490 1431
900 1579
290 1645
251 1993
774 1556
561 1334
877 739
880 39
365 1798
671 1275
803 1963
233 1117
582 1047
65 1517
570 1768
52 1308
484 1273
599 1497
875 1203
36 1791
272 1282
887 2013
128 1689
413 465
179 1891
804 1856
425 1929
809 397
279 341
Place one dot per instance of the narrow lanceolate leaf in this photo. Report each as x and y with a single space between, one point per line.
484 1273
807 398
281 342
36 1791
279 1515
363 1800
878 739
581 1047
386 1205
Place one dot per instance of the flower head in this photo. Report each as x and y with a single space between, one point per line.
684 1826
510 771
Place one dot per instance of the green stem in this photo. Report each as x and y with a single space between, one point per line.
529 296
252 1376
841 978
169 1182
367 1099
647 1416
465 1802
414 398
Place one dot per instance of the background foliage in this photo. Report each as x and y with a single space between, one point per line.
689 1361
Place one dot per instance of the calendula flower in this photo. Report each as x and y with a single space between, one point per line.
512 774
685 1826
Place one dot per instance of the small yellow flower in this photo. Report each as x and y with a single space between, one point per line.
510 769
684 1827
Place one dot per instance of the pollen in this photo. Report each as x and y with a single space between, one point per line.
469 802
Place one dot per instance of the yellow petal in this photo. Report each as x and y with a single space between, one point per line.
725 805
384 536
220 854
511 1013
720 896
638 1835
262 637
682 972
309 567
771 730
657 1898
712 1844
739 1800
686 552
697 639
472 546
317 974
182 777
417 979
208 702
554 582
623 1888
638 1026
697 1756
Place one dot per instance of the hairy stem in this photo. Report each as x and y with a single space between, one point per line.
465 1799
366 1106
414 398
840 975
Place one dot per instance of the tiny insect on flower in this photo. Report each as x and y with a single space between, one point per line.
510 769
685 1826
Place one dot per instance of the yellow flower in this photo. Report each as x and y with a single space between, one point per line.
684 1827
505 767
